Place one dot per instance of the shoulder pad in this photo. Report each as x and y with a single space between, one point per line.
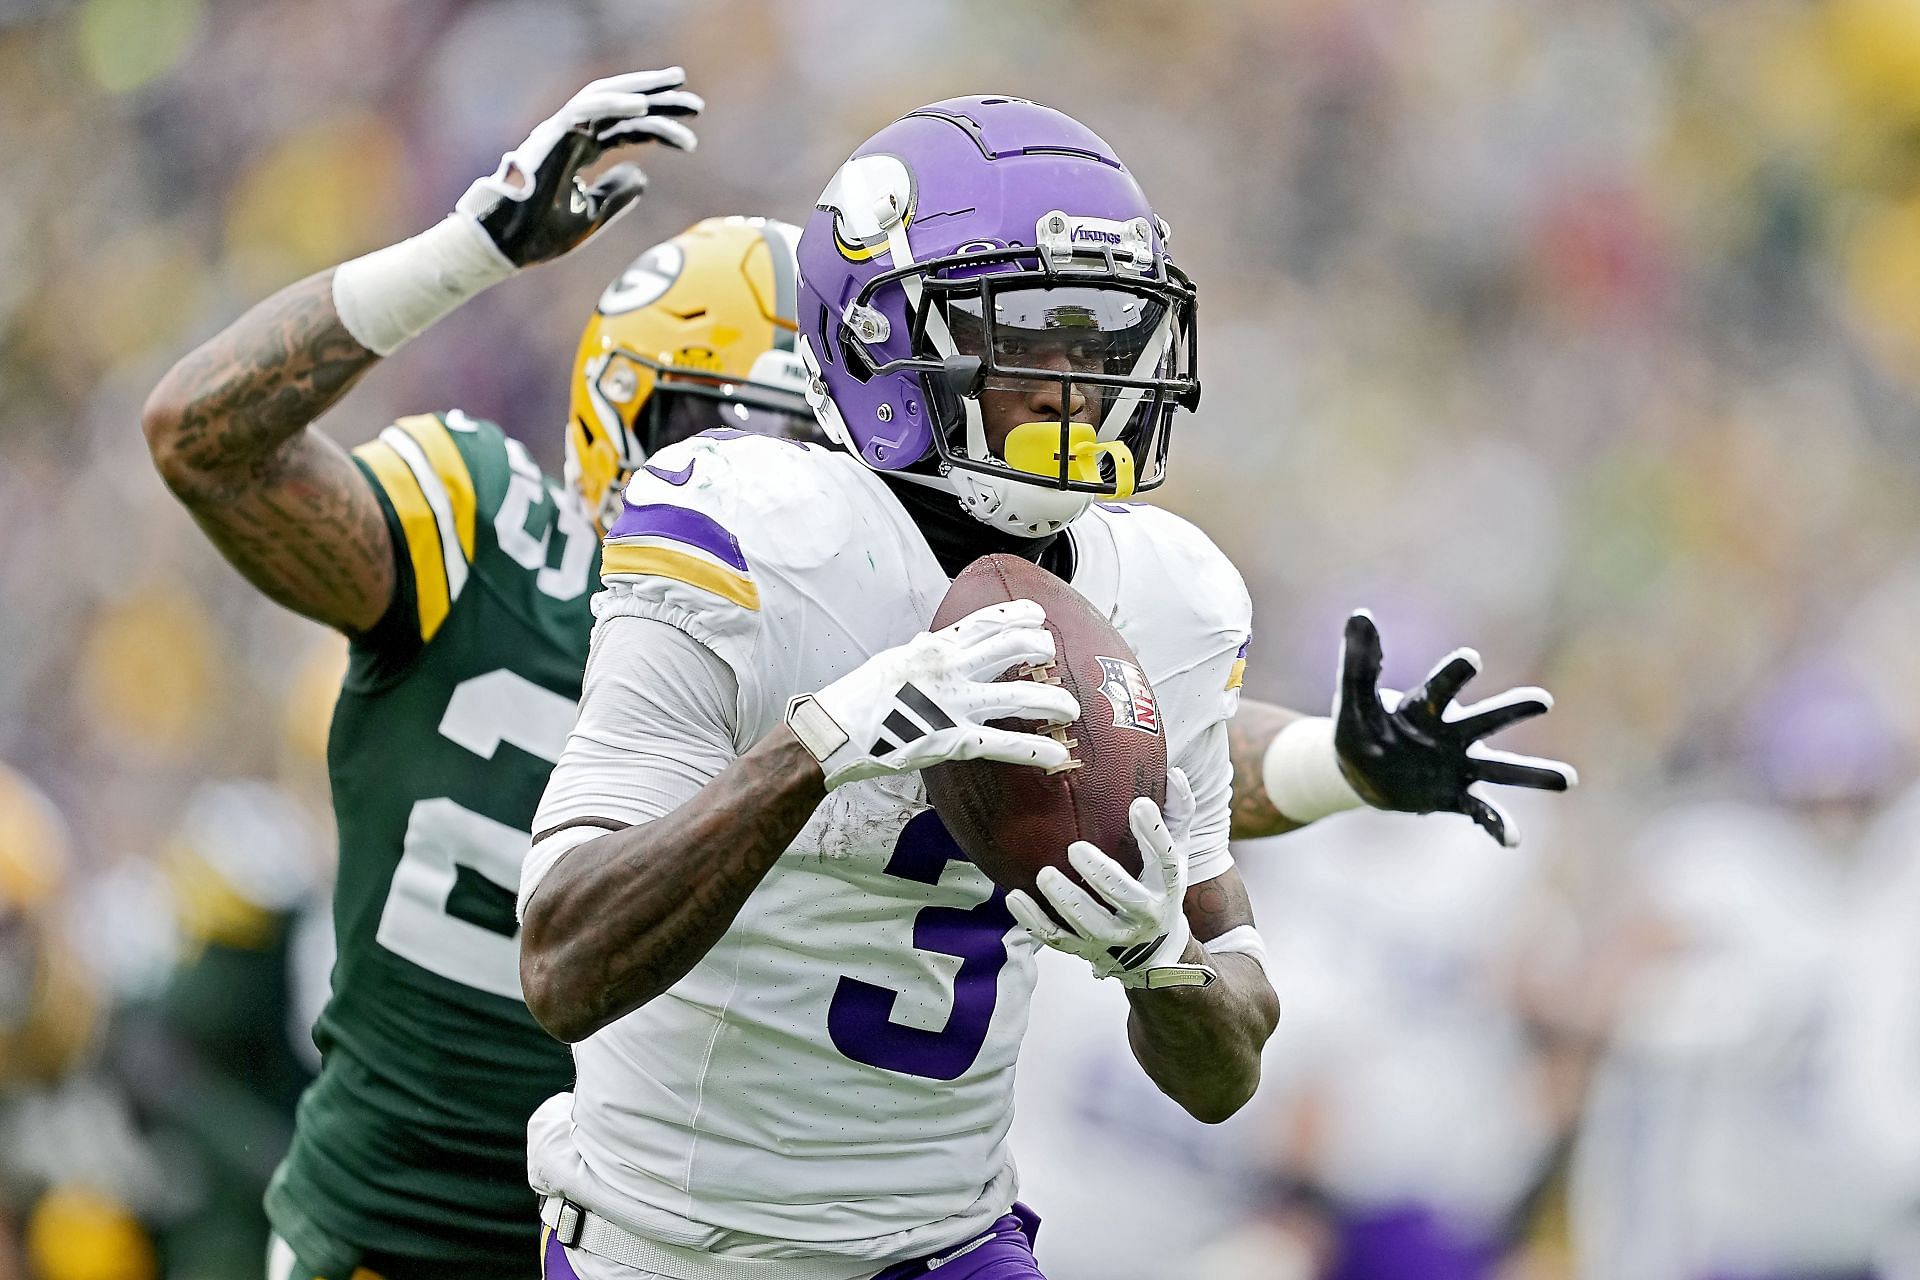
702 520
1191 568
1178 572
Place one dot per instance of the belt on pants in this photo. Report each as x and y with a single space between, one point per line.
578 1227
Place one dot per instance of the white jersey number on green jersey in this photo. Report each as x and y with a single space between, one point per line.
421 921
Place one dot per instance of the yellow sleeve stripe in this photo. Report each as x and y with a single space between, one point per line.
1236 673
444 456
418 525
693 570
439 501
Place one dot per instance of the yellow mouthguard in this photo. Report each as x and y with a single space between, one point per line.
1034 447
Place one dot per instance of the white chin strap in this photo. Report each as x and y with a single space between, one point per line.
1030 510
825 411
1129 398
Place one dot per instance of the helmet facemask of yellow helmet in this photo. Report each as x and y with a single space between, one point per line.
696 335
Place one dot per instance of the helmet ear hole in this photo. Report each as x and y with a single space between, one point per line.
825 346
854 359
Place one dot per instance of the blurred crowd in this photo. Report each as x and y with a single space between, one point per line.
1587 333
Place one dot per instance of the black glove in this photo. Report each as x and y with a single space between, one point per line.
534 206
1410 758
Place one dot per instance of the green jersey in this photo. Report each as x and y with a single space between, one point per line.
412 1142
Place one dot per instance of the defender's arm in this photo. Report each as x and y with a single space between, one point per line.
1249 734
227 427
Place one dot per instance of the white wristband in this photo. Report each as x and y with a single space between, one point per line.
392 294
1301 772
1241 940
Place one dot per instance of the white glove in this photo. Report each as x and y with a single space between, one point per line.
927 701
531 208
1135 930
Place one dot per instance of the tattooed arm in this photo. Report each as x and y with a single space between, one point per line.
623 917
1249 734
1201 1045
228 427
609 921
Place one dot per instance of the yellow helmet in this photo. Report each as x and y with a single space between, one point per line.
697 333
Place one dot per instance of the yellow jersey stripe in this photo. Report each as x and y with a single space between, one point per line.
681 567
435 441
1237 673
418 525
438 502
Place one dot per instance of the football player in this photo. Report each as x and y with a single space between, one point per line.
796 1005
461 575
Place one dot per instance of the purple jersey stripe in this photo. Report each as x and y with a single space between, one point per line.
682 524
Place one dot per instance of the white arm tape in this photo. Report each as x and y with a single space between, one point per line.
394 293
1241 940
1301 772
545 855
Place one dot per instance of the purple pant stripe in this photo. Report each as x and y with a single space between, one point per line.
1007 1256
553 1261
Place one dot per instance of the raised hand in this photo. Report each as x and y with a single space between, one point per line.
1408 755
535 207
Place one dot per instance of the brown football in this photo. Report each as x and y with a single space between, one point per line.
1011 820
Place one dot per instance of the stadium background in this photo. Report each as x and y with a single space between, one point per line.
1588 333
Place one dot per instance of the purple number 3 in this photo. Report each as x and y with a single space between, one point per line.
860 1019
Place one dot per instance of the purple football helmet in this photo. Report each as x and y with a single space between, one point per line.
991 245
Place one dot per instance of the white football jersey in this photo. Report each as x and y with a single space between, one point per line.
835 1076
